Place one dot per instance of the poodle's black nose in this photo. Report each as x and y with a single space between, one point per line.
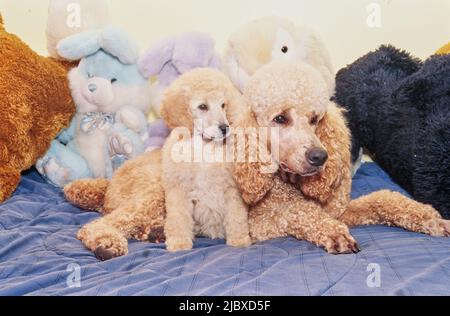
317 157
225 129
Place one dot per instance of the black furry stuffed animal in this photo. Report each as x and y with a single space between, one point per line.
399 111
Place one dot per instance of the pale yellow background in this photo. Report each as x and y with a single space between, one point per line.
419 26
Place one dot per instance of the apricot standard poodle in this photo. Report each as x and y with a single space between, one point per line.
308 198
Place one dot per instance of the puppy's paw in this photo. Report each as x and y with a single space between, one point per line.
157 236
341 243
437 227
239 242
179 244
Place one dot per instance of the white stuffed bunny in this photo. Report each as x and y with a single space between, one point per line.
270 39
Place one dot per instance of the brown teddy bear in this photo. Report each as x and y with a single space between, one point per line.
35 106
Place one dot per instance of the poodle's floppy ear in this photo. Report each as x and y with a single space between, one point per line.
111 39
175 107
335 136
154 59
251 177
237 108
79 45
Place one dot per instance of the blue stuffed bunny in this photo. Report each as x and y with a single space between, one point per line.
112 100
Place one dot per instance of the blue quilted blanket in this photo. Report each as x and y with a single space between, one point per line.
39 255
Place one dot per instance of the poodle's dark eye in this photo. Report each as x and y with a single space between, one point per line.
285 49
113 80
314 120
223 106
203 107
281 119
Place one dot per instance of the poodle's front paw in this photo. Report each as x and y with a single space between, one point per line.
110 248
105 246
179 244
239 242
437 227
341 243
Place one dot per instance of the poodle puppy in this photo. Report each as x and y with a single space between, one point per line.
314 205
202 198
399 111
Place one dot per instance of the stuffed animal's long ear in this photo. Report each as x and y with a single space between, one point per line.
111 39
193 50
335 136
153 60
252 170
119 44
79 45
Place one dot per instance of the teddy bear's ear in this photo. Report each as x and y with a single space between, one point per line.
153 60
119 44
426 86
412 91
79 45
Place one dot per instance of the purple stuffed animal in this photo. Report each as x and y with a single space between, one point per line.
167 60
158 133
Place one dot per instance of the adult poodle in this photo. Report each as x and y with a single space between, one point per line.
313 150
317 206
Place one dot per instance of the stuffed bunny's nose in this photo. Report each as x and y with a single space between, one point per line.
92 87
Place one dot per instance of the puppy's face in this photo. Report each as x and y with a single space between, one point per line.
202 100
209 115
300 150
